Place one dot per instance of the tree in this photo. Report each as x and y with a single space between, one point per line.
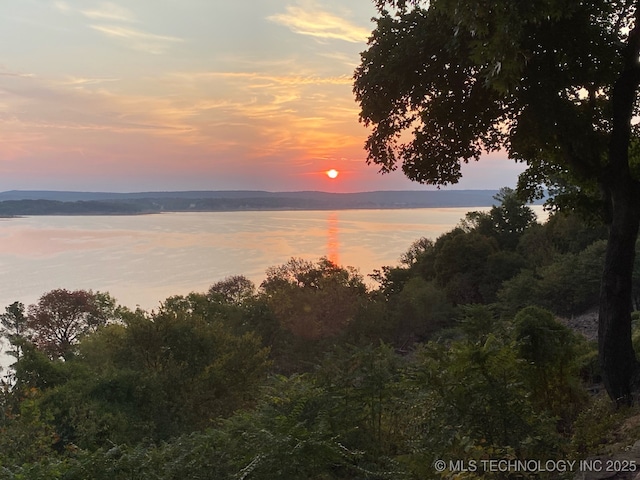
550 351
313 300
14 328
61 317
505 222
419 310
461 265
418 260
553 82
235 289
313 304
170 372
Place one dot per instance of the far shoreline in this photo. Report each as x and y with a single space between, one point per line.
47 203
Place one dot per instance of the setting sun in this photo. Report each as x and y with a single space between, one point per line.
333 173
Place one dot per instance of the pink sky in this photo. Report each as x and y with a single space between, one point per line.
190 95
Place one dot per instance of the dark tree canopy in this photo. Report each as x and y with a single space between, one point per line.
313 300
444 81
554 83
235 289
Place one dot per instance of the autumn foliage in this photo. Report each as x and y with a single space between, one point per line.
61 317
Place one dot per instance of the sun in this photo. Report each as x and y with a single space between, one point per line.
333 173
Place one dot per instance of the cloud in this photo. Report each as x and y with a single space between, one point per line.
114 21
310 19
279 115
263 79
44 104
105 11
138 39
305 115
81 81
4 73
110 11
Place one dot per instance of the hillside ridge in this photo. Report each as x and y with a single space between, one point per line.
51 202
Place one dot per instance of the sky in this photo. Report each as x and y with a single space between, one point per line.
148 95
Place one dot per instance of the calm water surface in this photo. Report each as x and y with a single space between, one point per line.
141 260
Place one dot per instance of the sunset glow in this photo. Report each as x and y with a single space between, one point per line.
130 96
333 173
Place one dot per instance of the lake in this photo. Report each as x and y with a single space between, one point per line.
142 260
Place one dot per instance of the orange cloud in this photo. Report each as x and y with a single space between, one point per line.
310 19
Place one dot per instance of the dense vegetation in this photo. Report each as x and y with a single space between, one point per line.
553 83
457 353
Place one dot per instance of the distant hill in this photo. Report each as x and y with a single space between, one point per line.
25 202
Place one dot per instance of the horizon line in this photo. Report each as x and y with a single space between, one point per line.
257 190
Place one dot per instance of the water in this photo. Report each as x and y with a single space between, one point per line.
142 260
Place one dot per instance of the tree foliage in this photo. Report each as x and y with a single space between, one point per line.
313 300
235 289
14 328
61 317
466 78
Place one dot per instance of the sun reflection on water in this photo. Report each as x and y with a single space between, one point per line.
333 240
